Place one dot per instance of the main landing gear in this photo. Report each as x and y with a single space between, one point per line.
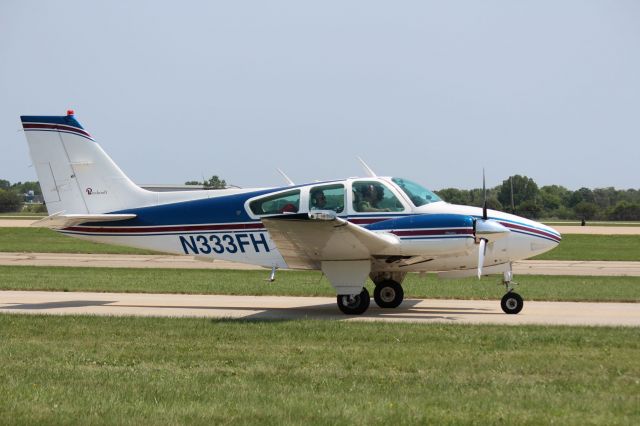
511 302
354 304
388 294
348 279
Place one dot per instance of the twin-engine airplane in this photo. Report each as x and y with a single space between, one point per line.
350 229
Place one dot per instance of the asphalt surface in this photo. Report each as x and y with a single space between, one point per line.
423 311
15 223
525 267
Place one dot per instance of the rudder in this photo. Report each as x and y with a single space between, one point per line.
75 174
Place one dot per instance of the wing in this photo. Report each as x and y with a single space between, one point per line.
306 239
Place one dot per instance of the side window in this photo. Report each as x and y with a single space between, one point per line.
374 197
288 202
327 197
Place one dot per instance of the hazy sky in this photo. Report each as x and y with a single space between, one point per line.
431 91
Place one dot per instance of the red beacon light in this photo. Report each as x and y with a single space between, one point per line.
70 112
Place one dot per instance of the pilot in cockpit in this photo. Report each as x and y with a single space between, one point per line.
371 195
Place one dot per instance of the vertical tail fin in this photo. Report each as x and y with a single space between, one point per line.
75 174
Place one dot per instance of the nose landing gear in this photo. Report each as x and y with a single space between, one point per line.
511 302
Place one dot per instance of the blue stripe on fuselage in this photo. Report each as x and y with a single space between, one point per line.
423 221
222 209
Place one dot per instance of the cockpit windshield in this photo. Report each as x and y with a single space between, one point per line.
418 195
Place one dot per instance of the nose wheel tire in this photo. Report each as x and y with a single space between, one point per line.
388 294
354 304
511 303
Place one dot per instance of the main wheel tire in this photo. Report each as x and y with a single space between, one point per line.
511 303
388 294
354 305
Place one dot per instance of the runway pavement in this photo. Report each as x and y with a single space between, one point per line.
577 267
525 267
15 223
117 261
424 311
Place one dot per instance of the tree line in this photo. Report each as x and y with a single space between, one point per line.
522 196
13 196
517 194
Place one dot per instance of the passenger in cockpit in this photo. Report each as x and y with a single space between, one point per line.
318 200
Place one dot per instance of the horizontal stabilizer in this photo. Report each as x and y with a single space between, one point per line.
306 240
60 220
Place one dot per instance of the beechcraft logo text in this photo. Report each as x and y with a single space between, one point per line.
90 191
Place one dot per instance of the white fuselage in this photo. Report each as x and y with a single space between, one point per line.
246 240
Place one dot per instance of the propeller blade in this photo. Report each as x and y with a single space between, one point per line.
482 248
484 191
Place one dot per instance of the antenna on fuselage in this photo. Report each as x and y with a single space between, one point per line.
484 195
286 178
367 169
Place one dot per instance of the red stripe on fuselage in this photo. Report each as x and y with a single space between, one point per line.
532 230
181 228
370 220
38 126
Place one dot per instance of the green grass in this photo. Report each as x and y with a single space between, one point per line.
595 247
43 240
300 283
572 247
97 370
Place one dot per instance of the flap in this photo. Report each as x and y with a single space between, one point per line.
60 220
304 240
